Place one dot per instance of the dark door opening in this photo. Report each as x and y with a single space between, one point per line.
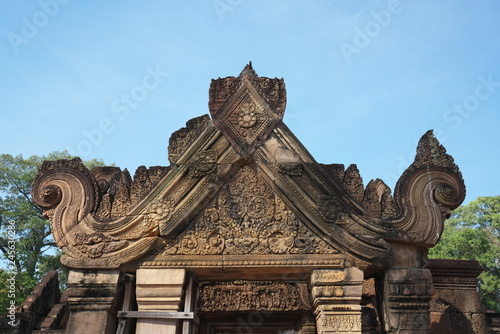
255 322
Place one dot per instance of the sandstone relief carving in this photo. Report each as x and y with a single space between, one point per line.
247 218
425 194
240 192
241 184
238 296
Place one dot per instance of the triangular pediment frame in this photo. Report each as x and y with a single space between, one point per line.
296 179
227 145
246 220
104 219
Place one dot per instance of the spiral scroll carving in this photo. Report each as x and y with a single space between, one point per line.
448 195
51 195
72 198
426 193
67 190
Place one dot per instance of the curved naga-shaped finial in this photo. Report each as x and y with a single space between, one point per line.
67 191
426 193
70 195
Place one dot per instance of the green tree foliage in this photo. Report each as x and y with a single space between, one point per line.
34 252
473 233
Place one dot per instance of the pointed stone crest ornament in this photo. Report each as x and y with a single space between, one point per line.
247 108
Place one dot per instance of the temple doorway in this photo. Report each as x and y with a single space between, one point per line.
255 322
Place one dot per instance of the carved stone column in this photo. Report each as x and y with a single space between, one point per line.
407 289
90 297
159 290
407 300
336 299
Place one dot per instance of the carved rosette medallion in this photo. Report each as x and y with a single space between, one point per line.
253 296
159 212
247 218
246 109
247 118
330 208
204 163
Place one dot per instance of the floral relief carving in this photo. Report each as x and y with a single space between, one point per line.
353 183
247 118
159 211
247 115
181 139
246 108
289 205
273 91
330 208
204 163
253 295
247 218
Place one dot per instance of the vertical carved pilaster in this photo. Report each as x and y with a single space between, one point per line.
407 295
407 289
90 297
336 300
159 290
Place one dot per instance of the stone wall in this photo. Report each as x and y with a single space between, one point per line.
455 305
42 310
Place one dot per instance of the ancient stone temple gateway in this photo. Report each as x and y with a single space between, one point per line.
245 232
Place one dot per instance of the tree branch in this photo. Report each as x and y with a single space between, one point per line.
28 198
22 192
47 233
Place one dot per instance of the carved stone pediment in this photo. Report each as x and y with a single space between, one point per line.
241 190
246 217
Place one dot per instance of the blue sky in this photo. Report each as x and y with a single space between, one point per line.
365 79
